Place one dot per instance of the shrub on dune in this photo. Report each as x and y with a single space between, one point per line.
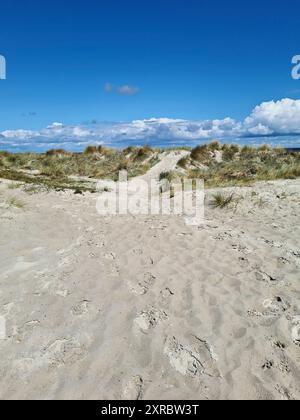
3 153
200 153
90 150
230 151
265 148
214 145
144 152
168 175
222 200
55 152
183 162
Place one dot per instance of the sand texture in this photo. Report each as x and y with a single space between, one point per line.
145 307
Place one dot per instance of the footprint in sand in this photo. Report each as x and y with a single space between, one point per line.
80 308
111 256
244 262
272 244
195 359
270 308
149 319
242 249
63 293
143 286
165 296
63 351
138 251
276 304
26 329
269 364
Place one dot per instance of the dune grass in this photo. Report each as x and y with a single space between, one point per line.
14 186
218 165
54 169
222 200
168 175
15 202
242 165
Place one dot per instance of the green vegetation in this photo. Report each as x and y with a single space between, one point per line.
219 165
58 169
200 154
183 163
222 200
169 176
242 165
14 186
15 202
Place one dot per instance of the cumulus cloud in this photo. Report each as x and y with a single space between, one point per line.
19 134
270 119
281 117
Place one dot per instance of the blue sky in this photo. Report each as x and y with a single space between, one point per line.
192 60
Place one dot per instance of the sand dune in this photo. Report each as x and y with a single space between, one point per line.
146 307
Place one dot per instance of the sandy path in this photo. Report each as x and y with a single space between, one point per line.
168 162
146 307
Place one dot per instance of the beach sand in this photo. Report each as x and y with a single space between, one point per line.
145 307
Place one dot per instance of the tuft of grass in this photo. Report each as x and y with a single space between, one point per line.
222 200
3 153
214 145
32 189
230 151
248 165
248 152
55 152
15 202
200 153
265 148
59 169
90 150
183 162
168 175
129 150
144 152
14 186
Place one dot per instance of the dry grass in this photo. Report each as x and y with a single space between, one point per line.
168 175
222 200
235 165
200 154
14 186
15 202
183 163
244 166
54 168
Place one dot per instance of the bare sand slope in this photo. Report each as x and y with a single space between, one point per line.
147 307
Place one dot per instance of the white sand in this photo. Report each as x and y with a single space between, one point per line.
147 307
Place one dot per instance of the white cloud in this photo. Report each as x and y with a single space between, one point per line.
19 134
281 117
268 119
55 125
125 90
